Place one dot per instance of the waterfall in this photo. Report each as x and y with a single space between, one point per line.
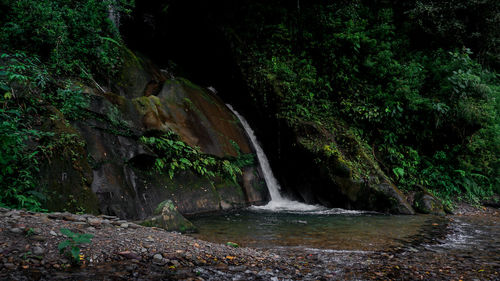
278 202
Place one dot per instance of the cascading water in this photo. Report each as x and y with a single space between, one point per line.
278 202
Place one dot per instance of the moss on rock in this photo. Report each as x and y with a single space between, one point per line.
168 218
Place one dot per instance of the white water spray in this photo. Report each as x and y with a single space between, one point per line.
278 202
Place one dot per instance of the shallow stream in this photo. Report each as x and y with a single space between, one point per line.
334 229
355 245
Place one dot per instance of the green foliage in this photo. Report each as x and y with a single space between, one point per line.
175 155
472 23
43 43
71 247
430 114
69 35
27 90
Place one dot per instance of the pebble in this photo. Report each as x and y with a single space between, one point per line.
53 233
38 251
56 215
10 266
37 230
69 217
108 217
158 258
94 222
38 238
16 230
124 225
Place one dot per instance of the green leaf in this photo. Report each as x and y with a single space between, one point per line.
63 245
399 172
83 238
75 253
185 161
68 233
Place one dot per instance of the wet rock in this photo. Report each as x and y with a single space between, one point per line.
426 203
337 169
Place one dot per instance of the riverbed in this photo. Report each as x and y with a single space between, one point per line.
358 245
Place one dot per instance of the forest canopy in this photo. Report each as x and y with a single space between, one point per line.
415 80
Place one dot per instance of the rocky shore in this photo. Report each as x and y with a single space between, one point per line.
122 250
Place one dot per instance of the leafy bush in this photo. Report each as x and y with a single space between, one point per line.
71 247
71 36
175 155
431 114
27 90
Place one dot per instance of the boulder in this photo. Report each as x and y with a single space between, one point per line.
168 217
333 167
426 203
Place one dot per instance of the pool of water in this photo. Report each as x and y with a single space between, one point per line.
333 229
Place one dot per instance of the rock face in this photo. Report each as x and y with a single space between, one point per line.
336 170
119 180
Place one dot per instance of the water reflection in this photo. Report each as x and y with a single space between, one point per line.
334 230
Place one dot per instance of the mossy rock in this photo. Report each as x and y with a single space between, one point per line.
425 203
341 169
168 218
67 175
